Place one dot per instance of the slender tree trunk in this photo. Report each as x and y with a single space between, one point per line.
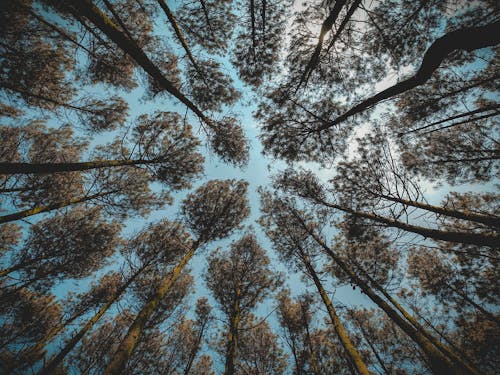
129 342
180 37
14 190
346 19
232 339
373 349
351 351
439 363
448 351
252 21
87 9
57 360
468 39
14 268
466 121
195 349
490 316
325 28
490 239
40 209
479 110
44 168
314 361
489 220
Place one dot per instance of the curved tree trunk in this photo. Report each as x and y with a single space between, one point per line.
467 39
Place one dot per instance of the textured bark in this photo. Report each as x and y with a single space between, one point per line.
438 362
129 342
448 351
490 239
40 209
347 344
467 39
87 9
57 360
43 168
232 339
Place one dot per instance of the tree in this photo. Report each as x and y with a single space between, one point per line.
259 352
212 212
439 356
307 186
67 246
27 317
295 249
295 320
239 281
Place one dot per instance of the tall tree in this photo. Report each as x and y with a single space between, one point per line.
212 212
239 280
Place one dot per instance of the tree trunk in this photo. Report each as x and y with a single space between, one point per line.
129 342
490 239
439 363
489 220
180 37
44 168
232 340
314 361
325 28
195 349
468 39
448 351
57 360
479 110
40 209
87 9
351 351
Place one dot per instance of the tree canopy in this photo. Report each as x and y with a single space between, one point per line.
249 187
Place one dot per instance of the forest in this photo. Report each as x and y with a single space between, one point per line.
249 187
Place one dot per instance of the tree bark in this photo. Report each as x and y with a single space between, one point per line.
57 360
180 37
44 168
129 342
40 209
467 39
232 339
470 113
438 362
351 351
87 9
490 239
448 351
489 220
325 28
